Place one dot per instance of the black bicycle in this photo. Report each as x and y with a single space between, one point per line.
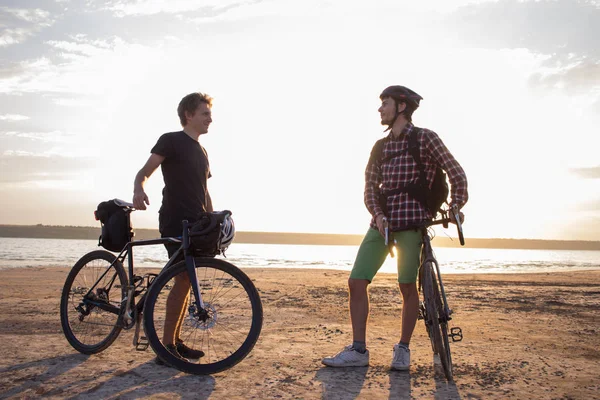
222 314
433 308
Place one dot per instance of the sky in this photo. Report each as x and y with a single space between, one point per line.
511 87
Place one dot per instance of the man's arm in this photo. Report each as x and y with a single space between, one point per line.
140 199
372 182
209 206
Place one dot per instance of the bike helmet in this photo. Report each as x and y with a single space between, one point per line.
227 233
402 94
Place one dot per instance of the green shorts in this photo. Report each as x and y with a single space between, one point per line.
373 252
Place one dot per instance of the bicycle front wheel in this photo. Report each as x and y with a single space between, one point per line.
444 347
223 332
92 302
434 320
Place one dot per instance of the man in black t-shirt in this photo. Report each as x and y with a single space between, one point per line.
185 168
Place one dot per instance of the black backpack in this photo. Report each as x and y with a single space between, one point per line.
205 234
432 199
116 225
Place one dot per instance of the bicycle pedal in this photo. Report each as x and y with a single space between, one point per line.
142 344
456 334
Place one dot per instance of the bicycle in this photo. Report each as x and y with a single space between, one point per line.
222 316
433 308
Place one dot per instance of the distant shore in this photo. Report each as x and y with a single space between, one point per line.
92 233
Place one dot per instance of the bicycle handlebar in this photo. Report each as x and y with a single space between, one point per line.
442 221
446 221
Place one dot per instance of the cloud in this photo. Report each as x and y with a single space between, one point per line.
578 76
567 31
23 167
122 8
79 66
47 137
17 25
587 173
13 117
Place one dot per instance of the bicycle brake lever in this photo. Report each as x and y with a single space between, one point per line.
387 231
456 214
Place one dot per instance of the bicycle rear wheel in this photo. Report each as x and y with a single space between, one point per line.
225 331
434 318
92 302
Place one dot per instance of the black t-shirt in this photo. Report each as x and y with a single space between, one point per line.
185 171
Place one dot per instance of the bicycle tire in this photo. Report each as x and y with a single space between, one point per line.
91 329
432 320
444 345
229 331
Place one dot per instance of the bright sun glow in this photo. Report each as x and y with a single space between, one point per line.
296 88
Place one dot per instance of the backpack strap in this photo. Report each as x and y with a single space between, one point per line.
415 151
377 152
414 189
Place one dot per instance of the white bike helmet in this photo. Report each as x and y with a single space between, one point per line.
227 233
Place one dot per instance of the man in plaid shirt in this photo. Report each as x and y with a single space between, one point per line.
392 168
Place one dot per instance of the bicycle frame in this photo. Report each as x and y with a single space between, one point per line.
127 252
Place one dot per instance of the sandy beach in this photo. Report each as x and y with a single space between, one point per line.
526 336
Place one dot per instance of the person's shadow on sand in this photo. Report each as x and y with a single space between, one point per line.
400 387
341 383
147 380
55 366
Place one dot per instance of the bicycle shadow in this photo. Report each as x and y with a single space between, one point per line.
443 389
55 366
147 380
341 383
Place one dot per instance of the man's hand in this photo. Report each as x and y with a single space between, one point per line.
140 199
380 220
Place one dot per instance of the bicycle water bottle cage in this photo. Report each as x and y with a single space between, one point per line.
456 334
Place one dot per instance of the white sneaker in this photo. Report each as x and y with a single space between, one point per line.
401 359
348 358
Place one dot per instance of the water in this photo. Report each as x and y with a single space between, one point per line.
19 252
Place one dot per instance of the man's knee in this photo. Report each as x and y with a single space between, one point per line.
408 289
357 286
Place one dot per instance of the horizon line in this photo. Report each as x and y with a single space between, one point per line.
300 238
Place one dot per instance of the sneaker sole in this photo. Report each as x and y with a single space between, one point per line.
396 368
345 365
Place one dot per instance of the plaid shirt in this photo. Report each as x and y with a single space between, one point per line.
404 211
